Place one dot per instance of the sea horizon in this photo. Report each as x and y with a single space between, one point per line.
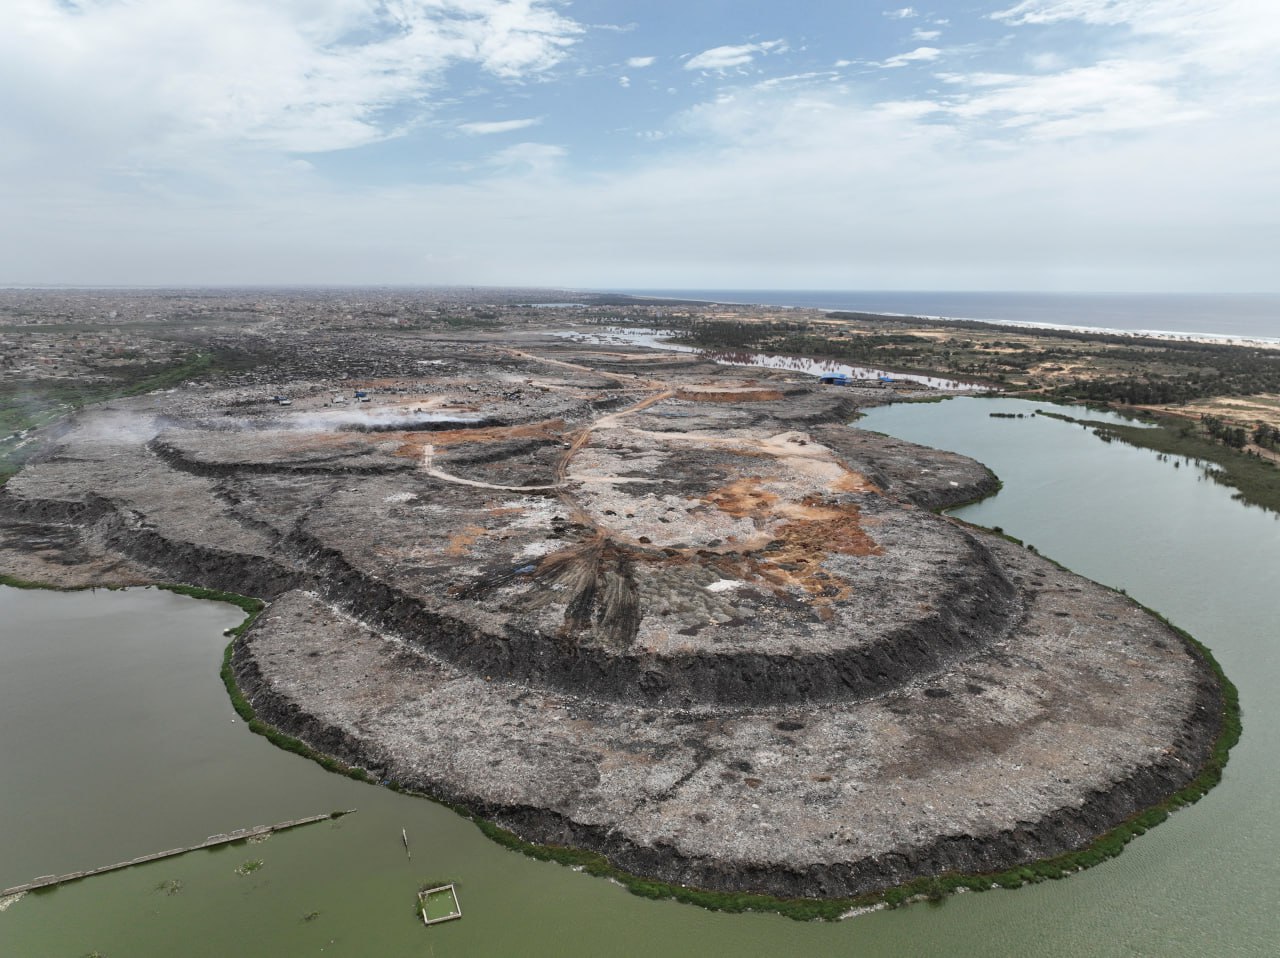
1251 316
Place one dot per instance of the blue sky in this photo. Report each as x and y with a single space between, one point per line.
969 144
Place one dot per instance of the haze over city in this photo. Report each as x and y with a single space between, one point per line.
996 144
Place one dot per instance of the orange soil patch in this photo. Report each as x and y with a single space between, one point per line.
814 529
854 482
743 499
838 530
462 541
806 542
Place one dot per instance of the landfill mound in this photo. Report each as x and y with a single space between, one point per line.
697 623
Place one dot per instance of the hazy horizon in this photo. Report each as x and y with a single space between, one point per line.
648 290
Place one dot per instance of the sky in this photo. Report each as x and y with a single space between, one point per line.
1064 145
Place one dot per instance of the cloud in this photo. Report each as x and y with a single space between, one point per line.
499 126
624 81
639 63
918 34
794 78
1170 61
536 158
295 75
1046 61
1219 37
1055 11
908 109
902 13
724 58
918 55
1107 96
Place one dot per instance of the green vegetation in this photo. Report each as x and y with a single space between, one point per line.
1177 372
1237 437
1255 480
473 319
249 867
1137 371
1268 437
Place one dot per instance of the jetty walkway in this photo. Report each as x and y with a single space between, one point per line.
227 838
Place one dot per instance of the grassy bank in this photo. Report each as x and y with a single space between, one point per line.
1256 481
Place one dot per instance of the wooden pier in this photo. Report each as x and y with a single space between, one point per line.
213 841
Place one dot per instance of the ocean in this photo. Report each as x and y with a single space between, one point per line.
1236 316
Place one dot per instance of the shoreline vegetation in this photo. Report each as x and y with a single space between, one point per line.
933 889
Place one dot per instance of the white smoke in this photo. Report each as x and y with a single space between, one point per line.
331 420
113 426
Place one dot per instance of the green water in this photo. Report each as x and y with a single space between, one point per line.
116 739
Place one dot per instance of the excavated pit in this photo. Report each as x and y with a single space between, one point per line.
698 624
